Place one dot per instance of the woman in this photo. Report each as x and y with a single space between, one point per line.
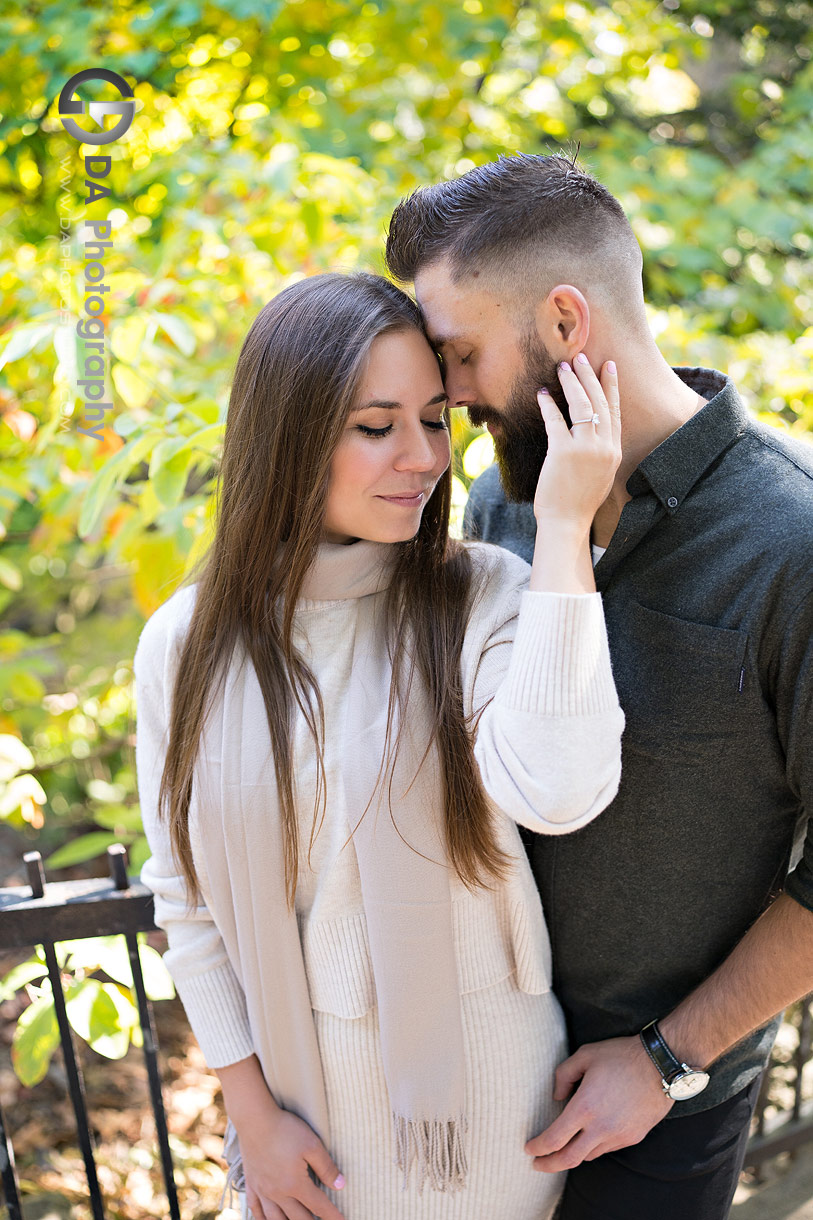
345 716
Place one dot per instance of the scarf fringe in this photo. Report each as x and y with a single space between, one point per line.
235 1177
437 1148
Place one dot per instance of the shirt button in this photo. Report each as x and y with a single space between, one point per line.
672 502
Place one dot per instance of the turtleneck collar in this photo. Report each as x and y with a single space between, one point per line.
340 571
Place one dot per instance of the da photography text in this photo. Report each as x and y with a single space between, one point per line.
93 372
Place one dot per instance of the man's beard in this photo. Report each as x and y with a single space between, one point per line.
521 442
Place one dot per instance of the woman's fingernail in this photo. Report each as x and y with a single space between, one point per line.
564 367
339 1183
582 359
542 391
610 366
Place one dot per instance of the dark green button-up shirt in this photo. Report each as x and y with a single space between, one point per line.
707 586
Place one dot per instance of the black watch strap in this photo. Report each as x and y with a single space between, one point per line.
660 1054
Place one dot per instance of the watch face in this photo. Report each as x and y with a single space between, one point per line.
688 1085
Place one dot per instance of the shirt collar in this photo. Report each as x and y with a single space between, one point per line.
672 469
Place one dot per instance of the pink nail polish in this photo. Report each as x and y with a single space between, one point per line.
610 366
339 1183
564 367
542 391
581 358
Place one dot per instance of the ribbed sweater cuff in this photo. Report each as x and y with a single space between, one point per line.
215 1006
560 660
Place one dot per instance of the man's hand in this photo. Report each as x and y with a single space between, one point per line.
620 1098
617 1103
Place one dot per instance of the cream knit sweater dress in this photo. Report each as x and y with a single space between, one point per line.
549 756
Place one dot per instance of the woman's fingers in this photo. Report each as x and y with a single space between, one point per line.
294 1210
279 1154
327 1171
581 462
594 391
307 1203
576 393
325 1168
587 397
555 423
319 1204
609 384
257 1210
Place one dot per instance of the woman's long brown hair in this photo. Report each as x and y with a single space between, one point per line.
295 383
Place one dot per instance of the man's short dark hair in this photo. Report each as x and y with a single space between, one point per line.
509 218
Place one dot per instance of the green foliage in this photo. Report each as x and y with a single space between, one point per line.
272 142
103 1012
35 1040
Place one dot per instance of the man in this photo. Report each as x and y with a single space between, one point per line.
668 907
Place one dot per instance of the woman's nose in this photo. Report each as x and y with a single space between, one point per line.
417 453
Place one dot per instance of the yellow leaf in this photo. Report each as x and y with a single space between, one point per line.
158 572
478 456
131 388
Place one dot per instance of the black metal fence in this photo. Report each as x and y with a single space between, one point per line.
791 1133
37 914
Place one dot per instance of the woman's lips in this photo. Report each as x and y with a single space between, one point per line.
405 501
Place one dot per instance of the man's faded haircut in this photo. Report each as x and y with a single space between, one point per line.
521 224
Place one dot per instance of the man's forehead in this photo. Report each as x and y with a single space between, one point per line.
440 338
452 312
442 328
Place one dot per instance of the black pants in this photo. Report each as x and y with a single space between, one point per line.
685 1169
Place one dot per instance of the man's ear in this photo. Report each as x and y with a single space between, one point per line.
563 321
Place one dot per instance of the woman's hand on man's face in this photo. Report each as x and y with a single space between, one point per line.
578 472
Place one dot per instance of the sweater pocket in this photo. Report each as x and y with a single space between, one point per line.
338 965
531 947
499 935
495 936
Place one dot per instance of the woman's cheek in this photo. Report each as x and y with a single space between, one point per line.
444 452
362 457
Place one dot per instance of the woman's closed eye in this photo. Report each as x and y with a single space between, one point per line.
435 424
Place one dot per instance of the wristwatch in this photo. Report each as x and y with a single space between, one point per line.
679 1081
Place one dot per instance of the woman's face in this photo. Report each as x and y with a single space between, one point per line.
394 448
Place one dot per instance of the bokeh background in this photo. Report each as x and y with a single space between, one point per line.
272 141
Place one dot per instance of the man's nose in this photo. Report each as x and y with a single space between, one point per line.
458 385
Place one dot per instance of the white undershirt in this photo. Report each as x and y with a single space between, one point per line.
598 551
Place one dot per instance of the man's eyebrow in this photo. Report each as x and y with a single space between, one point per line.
396 406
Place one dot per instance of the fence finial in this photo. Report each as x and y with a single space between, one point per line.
36 873
117 862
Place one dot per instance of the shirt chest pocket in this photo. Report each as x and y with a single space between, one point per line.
682 685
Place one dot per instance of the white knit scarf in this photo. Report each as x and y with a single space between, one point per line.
407 904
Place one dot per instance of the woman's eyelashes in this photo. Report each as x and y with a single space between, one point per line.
435 425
